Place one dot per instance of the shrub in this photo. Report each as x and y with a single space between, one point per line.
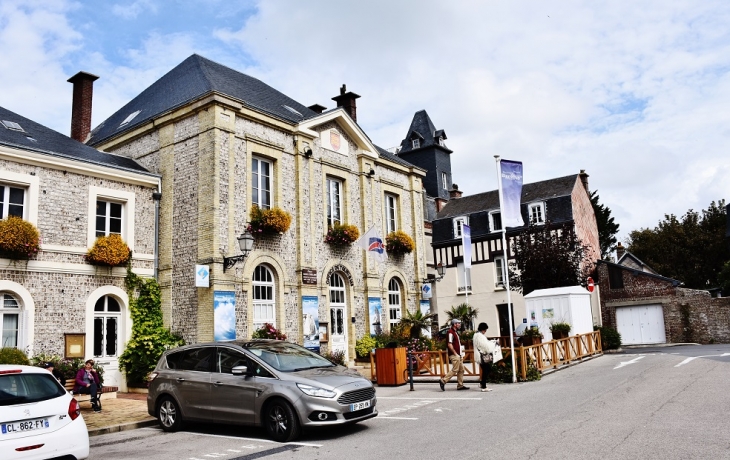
399 242
9 355
610 338
502 371
109 251
335 357
364 346
342 234
560 327
532 332
268 221
268 331
19 239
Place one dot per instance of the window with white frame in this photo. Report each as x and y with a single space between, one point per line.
444 181
12 201
109 215
463 277
536 212
495 221
416 143
391 213
107 319
10 316
337 305
441 141
261 182
499 272
334 201
394 300
263 297
459 222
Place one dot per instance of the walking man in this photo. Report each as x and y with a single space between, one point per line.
456 357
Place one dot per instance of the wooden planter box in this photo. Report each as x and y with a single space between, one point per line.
527 341
391 366
560 335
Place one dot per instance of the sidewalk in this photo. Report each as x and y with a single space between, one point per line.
125 412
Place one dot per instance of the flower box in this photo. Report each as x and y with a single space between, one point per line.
268 221
109 251
19 239
399 242
342 235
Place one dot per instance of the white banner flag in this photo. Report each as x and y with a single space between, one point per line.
511 187
373 244
466 243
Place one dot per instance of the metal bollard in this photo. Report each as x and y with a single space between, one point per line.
410 368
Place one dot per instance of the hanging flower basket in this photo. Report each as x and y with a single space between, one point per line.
109 251
268 221
268 331
399 242
19 239
342 235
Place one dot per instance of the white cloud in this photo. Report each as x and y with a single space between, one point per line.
131 11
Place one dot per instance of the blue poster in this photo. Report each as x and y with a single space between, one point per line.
511 177
224 316
376 315
310 322
426 310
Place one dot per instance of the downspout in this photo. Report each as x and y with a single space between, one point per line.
157 196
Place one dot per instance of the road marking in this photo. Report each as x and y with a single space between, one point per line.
687 360
626 363
306 444
431 399
395 418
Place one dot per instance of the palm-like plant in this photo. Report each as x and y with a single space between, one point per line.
465 312
417 322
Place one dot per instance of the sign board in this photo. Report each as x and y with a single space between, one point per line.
309 276
202 276
591 285
224 316
310 322
426 291
376 315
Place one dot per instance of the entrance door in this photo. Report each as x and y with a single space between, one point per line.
338 309
505 328
641 324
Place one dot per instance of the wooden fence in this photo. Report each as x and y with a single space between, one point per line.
542 356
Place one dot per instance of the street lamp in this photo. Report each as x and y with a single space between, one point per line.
441 270
245 243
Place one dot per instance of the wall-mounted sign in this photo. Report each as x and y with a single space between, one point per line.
224 316
202 276
426 291
75 345
309 276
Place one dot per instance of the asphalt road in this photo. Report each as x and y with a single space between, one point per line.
649 403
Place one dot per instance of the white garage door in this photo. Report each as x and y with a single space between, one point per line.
641 324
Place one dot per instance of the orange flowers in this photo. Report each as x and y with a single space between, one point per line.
109 250
19 239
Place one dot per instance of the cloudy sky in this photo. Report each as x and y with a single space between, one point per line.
634 92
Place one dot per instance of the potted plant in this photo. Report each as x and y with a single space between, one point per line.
268 331
532 336
398 243
342 234
19 239
560 330
268 221
110 251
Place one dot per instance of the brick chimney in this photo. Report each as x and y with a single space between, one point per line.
317 108
81 109
346 100
584 179
455 193
620 251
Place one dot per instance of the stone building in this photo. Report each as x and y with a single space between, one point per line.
564 201
223 142
71 193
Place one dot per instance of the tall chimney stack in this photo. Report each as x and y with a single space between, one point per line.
81 109
346 100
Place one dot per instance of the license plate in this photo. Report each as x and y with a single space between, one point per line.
359 406
25 425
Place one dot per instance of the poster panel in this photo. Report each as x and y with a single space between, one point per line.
310 322
224 316
376 315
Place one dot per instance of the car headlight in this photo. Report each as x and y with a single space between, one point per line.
316 391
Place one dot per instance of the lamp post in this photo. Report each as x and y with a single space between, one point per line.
245 243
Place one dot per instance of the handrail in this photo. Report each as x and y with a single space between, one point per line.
542 356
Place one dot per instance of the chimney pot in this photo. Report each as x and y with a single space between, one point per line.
455 193
620 251
81 108
346 100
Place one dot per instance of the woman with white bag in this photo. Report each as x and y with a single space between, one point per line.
483 353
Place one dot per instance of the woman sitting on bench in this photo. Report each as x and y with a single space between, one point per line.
87 382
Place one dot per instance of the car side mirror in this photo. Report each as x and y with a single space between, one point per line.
240 370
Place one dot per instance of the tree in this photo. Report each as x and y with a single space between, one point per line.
607 228
417 322
463 312
724 279
546 257
691 249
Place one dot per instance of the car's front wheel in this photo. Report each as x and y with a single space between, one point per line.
280 421
168 414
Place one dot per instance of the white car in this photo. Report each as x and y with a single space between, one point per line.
39 419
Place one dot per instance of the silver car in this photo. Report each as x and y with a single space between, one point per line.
271 383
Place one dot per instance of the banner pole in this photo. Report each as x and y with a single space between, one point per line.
505 272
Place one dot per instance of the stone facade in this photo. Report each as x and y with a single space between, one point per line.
204 153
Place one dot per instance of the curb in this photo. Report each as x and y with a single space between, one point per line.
658 345
122 427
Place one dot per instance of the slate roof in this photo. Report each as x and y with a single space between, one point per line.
627 260
394 158
487 201
194 77
422 128
38 138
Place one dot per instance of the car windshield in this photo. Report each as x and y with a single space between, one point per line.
287 357
25 388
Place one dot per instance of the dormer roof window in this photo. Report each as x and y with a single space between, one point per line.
416 143
13 126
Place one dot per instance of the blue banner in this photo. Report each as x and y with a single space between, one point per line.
510 175
224 316
310 322
376 315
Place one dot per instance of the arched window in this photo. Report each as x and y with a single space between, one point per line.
394 304
107 319
338 307
263 297
10 320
